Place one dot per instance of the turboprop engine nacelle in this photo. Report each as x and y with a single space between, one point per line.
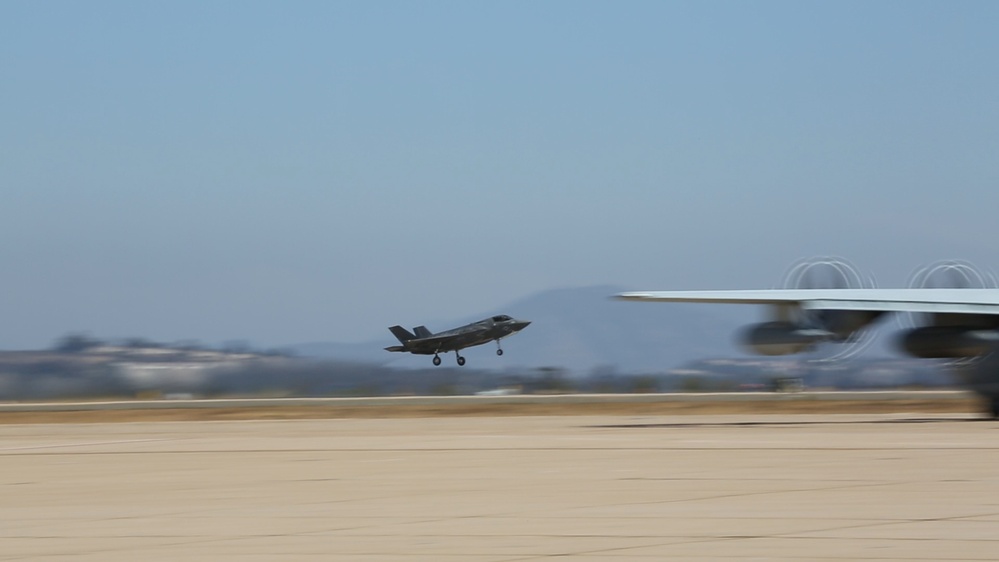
949 342
782 338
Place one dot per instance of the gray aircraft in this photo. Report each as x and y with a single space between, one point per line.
425 342
955 323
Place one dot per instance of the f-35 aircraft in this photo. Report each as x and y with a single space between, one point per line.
954 323
425 342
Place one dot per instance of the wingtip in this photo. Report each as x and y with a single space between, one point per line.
628 296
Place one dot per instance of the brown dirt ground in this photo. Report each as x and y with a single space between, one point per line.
962 406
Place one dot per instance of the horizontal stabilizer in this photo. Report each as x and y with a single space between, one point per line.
395 348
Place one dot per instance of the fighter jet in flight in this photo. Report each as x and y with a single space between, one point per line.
425 342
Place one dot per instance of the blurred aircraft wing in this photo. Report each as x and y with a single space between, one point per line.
951 301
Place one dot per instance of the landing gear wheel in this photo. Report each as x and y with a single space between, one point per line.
499 348
499 352
437 360
461 361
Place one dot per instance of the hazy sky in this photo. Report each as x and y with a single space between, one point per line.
299 171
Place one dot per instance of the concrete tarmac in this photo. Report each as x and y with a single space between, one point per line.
502 489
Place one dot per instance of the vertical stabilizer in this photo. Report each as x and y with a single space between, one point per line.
422 332
402 334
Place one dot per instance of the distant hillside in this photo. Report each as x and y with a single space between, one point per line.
581 329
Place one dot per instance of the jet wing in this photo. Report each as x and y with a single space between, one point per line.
949 301
433 344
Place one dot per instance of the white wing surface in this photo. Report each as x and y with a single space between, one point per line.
956 301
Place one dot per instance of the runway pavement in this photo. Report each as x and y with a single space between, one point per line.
904 486
812 397
741 403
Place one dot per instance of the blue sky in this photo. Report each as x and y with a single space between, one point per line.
299 171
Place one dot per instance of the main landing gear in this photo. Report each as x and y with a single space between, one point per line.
437 360
993 407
